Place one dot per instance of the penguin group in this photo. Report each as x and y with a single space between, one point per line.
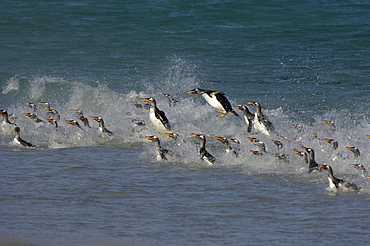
259 132
52 116
257 124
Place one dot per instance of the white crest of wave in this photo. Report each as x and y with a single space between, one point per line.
11 85
191 114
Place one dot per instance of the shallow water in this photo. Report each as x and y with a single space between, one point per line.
304 62
81 193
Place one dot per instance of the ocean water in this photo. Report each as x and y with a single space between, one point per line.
304 62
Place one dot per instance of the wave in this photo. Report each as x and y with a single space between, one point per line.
190 115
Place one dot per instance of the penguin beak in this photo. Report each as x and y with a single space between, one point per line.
297 152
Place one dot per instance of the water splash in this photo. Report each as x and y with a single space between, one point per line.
191 114
11 85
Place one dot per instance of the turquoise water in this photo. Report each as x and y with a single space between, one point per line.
304 61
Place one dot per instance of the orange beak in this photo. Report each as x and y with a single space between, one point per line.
254 152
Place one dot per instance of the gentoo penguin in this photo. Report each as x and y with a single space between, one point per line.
339 185
157 117
260 122
33 117
217 100
225 142
102 127
312 164
248 117
19 141
203 153
160 151
5 120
